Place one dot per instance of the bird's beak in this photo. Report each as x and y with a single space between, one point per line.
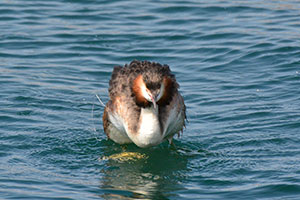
153 101
152 97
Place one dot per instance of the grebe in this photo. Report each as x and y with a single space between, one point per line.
145 106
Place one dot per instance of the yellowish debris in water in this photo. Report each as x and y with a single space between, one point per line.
125 156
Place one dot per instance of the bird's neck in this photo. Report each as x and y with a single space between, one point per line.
149 132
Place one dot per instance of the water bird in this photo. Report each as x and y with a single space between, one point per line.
145 106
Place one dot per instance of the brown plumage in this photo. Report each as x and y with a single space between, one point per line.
145 106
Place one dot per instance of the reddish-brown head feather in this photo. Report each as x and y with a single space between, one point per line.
168 92
137 85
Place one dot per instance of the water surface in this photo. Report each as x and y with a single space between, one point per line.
238 66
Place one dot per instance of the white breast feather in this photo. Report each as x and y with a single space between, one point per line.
149 133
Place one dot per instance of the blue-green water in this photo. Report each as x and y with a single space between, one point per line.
238 64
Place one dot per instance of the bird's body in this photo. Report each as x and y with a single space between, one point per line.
145 106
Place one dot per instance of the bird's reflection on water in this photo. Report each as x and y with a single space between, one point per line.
156 174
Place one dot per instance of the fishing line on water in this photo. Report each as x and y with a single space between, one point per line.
102 104
100 100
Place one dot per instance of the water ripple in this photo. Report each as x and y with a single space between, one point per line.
238 67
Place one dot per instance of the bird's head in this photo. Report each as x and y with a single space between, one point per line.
152 93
